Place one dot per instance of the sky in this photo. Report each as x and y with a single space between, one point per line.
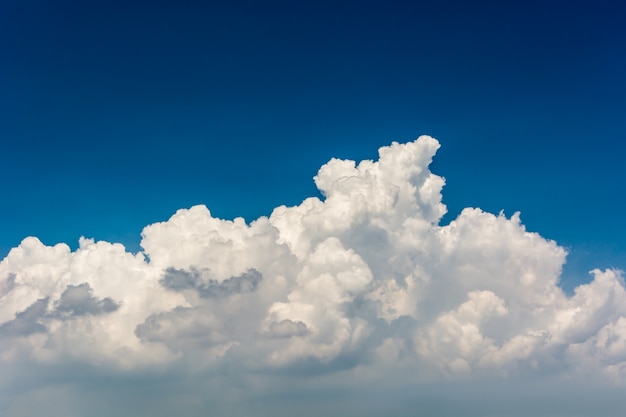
133 135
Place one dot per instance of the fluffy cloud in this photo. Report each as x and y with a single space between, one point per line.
364 281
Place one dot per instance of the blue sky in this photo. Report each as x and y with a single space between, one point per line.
114 115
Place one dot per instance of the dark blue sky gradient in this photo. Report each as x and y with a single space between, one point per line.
115 114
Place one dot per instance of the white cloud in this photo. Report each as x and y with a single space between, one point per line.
365 282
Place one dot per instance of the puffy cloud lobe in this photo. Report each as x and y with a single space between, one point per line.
287 328
190 330
178 279
365 277
26 322
94 299
456 339
77 300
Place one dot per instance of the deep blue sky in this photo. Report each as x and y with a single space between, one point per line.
115 114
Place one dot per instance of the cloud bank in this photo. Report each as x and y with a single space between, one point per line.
364 287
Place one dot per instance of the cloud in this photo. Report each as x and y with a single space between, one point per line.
77 300
26 322
362 288
179 279
287 328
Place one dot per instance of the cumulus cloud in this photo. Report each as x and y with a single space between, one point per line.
365 280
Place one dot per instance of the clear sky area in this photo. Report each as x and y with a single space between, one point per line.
114 115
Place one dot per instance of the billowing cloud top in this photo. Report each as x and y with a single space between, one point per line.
364 281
